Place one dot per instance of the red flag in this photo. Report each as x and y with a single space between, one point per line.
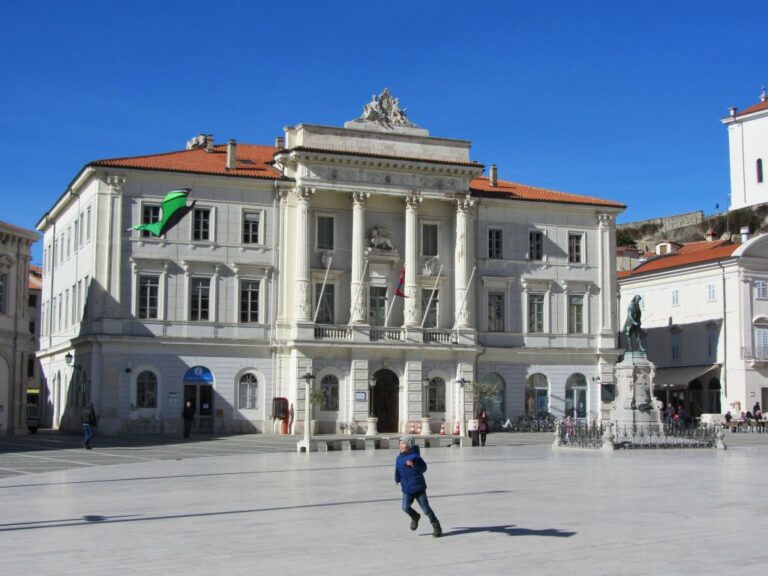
401 284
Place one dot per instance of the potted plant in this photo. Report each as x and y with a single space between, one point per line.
317 398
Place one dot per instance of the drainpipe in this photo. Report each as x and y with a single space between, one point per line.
724 375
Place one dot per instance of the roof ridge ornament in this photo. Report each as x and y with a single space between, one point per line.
385 110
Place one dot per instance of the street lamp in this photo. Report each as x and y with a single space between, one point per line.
424 397
461 382
373 420
307 408
68 360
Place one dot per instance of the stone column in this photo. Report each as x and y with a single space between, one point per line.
303 301
357 310
462 305
413 301
282 283
607 281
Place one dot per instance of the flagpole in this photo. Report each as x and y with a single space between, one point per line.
464 299
359 289
431 295
322 289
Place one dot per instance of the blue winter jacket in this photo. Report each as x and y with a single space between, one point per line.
411 480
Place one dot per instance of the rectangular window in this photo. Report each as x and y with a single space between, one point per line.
576 314
31 367
150 213
495 312
74 243
3 291
377 309
535 312
675 346
61 249
69 242
535 245
82 227
761 289
325 233
436 395
73 317
325 303
711 293
495 243
251 224
149 296
431 313
32 302
66 307
199 305
88 225
575 248
201 228
429 239
761 343
249 301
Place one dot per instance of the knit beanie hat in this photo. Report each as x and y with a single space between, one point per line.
408 440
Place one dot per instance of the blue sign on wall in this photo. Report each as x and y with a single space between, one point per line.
199 374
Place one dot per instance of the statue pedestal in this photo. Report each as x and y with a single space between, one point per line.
635 411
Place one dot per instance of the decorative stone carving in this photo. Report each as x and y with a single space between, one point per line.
380 239
431 266
385 110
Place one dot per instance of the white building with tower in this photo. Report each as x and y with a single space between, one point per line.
289 264
748 145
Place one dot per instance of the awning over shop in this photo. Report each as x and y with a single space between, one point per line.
679 378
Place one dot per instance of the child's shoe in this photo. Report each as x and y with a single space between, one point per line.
415 521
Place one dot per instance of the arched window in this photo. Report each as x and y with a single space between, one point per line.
146 390
248 392
537 395
436 395
759 170
576 396
330 385
494 406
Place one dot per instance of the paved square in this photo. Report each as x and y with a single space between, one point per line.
514 509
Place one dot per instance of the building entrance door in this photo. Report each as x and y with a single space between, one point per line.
198 389
385 400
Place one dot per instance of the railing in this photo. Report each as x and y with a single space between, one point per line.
387 334
635 438
757 354
438 336
333 333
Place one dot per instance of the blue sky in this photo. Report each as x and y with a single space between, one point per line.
615 99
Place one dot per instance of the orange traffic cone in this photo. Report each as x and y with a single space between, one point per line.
442 428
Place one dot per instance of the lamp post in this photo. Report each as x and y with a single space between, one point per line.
461 382
308 377
373 420
424 406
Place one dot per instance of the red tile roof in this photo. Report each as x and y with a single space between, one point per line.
35 279
690 254
756 108
503 189
253 161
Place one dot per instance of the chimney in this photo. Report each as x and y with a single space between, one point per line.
492 175
280 142
732 111
209 142
744 233
710 235
231 154
763 95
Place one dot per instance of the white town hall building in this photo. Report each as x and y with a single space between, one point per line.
288 265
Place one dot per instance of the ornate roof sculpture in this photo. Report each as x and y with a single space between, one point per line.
385 110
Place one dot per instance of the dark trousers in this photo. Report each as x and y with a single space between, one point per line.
423 501
187 428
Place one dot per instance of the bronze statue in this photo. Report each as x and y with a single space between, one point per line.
632 325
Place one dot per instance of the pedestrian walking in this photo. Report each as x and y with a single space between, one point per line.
89 424
482 426
188 415
409 473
